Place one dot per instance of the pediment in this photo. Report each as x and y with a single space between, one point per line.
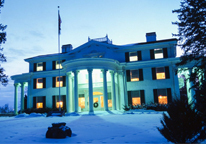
93 50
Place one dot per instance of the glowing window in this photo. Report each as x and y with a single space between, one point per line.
59 104
136 101
39 105
59 82
39 83
109 103
133 56
59 64
82 102
158 53
39 66
160 73
162 99
134 75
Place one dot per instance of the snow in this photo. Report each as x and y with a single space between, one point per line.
139 126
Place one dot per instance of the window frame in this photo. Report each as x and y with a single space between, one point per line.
54 81
35 68
128 74
35 83
164 52
138 54
168 92
166 70
141 94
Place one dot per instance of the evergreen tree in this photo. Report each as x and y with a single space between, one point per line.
182 123
192 35
3 76
192 40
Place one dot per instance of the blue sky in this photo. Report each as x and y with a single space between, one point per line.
33 27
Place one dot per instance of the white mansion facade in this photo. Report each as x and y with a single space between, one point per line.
101 76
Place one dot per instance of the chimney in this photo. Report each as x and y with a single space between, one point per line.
66 48
151 37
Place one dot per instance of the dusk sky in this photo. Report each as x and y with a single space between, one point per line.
32 27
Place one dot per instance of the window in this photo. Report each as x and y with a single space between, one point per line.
57 64
133 56
162 96
136 97
158 53
109 95
39 105
56 102
59 81
39 83
134 75
41 66
160 73
39 102
59 103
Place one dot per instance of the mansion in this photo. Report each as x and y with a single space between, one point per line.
101 76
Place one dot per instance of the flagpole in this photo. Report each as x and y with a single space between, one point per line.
59 55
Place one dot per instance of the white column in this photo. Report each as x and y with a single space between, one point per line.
125 86
22 95
68 92
16 85
121 89
117 93
29 95
104 72
90 90
113 91
76 104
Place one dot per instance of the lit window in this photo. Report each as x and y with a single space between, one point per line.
39 105
109 103
59 64
59 104
133 56
162 99
59 82
39 66
158 53
134 75
160 73
39 83
136 101
162 96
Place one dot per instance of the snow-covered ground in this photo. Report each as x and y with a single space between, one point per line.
100 127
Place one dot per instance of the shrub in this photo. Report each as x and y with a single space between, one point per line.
40 110
182 123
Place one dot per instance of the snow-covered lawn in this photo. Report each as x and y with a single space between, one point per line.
102 127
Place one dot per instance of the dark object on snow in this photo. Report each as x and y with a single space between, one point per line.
56 113
58 130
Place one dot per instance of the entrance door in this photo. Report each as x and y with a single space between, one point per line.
98 102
